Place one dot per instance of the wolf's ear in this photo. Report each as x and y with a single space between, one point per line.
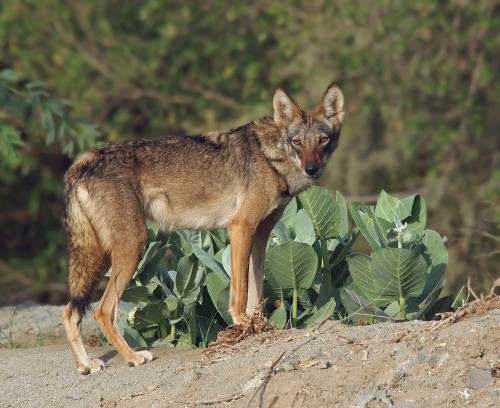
332 105
285 109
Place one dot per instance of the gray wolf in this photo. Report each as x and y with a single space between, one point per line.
241 179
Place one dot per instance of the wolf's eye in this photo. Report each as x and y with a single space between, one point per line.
323 139
296 142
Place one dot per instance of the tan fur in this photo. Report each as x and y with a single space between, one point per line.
241 179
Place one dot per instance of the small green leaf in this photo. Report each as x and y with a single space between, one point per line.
150 315
304 229
360 215
279 317
343 222
323 313
394 310
288 216
133 337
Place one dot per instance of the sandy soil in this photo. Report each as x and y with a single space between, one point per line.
455 363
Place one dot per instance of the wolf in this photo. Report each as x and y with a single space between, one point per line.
241 180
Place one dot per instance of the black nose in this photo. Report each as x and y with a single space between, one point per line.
312 170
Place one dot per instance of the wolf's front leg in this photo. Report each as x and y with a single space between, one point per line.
240 234
256 267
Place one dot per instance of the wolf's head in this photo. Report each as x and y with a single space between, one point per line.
310 137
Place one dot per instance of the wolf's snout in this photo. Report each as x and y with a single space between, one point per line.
312 169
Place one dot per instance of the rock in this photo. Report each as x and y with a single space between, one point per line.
324 364
402 353
366 396
398 376
438 357
191 376
288 366
477 379
422 356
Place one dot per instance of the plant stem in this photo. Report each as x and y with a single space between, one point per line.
294 307
163 329
402 305
325 271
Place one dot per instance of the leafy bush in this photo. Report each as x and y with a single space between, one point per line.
182 299
401 279
53 116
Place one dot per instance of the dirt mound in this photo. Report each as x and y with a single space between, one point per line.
454 362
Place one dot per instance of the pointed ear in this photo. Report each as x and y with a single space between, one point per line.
332 105
285 109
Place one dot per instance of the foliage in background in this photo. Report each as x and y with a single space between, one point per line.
421 81
184 301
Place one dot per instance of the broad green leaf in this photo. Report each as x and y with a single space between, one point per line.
133 337
279 317
304 229
209 261
293 265
273 291
179 246
343 222
359 308
323 211
436 257
394 310
150 251
186 274
135 294
418 218
166 342
218 289
387 207
360 269
431 299
150 315
323 313
281 231
208 330
346 249
226 260
398 272
288 216
366 224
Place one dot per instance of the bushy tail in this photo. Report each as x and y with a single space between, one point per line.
87 260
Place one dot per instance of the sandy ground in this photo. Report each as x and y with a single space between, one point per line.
455 363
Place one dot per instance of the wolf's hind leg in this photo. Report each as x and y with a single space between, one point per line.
124 258
72 318
87 265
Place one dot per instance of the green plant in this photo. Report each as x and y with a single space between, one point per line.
401 279
10 341
42 337
182 299
306 260
31 102
175 302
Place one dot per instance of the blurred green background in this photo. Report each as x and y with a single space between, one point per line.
421 81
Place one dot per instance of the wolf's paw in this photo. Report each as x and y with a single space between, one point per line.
143 357
93 365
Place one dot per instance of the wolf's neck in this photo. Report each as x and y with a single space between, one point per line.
280 158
